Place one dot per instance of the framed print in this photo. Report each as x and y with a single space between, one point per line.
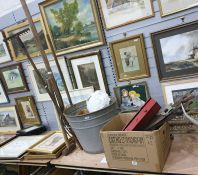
129 57
176 51
9 122
70 33
4 53
3 96
118 13
168 7
132 97
40 91
88 71
28 40
50 144
6 138
13 79
21 144
27 111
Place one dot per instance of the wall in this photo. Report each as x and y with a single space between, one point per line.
146 27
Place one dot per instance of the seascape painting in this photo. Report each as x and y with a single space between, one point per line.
71 23
129 59
7 119
180 51
88 75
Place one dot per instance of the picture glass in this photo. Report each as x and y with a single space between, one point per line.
117 13
4 54
72 23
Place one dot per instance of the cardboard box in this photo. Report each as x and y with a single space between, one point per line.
135 150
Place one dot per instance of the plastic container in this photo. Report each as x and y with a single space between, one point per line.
87 127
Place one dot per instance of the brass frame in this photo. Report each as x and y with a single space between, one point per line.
98 53
18 26
177 11
100 42
129 22
24 120
31 149
146 64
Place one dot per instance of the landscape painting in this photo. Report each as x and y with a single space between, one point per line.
72 24
88 75
180 51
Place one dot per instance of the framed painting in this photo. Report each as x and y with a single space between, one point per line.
88 71
4 53
168 7
50 144
4 138
3 96
176 51
28 40
13 79
132 97
70 33
129 58
117 13
9 122
27 111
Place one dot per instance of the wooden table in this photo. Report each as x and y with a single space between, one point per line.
182 159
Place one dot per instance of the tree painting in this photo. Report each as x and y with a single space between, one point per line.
71 23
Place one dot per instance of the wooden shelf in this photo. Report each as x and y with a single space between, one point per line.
182 159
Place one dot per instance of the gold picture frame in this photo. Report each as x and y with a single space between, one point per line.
40 148
129 58
27 111
88 33
15 47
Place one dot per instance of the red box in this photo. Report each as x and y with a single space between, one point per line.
144 115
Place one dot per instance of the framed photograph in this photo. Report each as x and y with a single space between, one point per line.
27 111
4 53
9 122
13 79
70 33
168 7
50 144
129 58
28 40
117 13
176 51
132 97
4 138
40 91
3 96
88 71
21 144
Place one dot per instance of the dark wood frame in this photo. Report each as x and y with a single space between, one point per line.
1 84
22 116
158 52
145 60
15 90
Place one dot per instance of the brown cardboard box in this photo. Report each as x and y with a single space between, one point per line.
135 150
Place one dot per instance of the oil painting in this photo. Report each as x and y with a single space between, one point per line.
9 119
14 79
4 53
122 12
176 51
27 39
72 24
129 58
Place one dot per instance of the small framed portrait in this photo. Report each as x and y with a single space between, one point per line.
118 13
3 96
9 121
13 79
4 53
88 71
129 57
27 110
176 51
168 7
132 97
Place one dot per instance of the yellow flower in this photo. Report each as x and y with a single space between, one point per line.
134 93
